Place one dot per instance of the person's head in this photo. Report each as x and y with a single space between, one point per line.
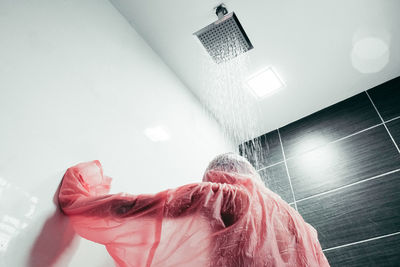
233 164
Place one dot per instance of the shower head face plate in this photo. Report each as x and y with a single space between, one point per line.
224 39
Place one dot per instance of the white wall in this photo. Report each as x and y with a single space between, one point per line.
77 84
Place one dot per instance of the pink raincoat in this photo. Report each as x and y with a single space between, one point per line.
230 219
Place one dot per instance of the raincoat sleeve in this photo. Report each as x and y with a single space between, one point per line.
101 217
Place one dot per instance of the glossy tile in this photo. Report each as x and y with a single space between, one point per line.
276 179
263 151
358 212
394 129
350 160
386 98
380 252
339 120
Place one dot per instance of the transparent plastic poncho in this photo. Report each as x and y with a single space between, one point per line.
228 219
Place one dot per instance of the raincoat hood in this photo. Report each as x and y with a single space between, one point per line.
231 168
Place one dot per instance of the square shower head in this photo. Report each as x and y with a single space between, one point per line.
224 39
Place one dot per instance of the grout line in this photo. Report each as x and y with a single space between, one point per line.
345 186
391 137
353 134
335 141
395 118
287 169
361 241
372 102
272 165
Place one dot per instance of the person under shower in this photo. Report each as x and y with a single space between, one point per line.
228 219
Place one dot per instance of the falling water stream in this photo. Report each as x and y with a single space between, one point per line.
230 101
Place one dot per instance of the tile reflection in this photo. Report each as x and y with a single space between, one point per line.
309 143
14 218
329 124
312 163
8 228
341 163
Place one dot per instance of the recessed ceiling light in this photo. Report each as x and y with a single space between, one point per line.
264 83
157 134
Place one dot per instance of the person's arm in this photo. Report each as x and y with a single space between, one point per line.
97 215
84 191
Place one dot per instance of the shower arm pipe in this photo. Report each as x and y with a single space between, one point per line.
221 11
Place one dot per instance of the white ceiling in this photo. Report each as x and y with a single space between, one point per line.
309 43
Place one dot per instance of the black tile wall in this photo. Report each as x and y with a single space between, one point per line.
362 211
263 151
350 160
276 179
386 98
334 122
381 252
394 129
330 156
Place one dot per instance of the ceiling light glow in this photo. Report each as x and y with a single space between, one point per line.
264 83
370 55
157 134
